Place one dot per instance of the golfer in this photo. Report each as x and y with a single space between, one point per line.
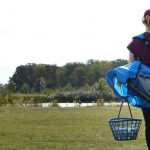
139 51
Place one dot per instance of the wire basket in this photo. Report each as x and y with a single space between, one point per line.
125 128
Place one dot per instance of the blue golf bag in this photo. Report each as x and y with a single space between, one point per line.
131 82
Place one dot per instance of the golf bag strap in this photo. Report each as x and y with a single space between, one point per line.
143 39
142 92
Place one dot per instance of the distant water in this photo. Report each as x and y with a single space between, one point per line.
63 105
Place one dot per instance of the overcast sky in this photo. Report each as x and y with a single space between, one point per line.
62 31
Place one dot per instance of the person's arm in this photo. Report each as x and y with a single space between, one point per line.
131 57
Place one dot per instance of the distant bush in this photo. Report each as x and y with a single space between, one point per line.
100 102
54 103
109 96
83 96
19 100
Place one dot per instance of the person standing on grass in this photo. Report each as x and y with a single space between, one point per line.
139 51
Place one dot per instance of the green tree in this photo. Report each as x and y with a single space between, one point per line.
80 77
4 90
36 85
42 84
68 87
118 62
65 74
93 71
41 76
104 66
101 85
11 86
25 88
32 91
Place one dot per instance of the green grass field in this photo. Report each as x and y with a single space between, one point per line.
36 128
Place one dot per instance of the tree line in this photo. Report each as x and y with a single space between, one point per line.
38 77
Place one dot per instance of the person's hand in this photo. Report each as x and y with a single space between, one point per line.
123 100
119 83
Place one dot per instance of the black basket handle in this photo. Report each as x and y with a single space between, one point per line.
121 108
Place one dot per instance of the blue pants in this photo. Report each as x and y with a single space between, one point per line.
146 114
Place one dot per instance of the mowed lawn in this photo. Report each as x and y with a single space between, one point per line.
36 128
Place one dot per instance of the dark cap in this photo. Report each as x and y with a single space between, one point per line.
147 12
